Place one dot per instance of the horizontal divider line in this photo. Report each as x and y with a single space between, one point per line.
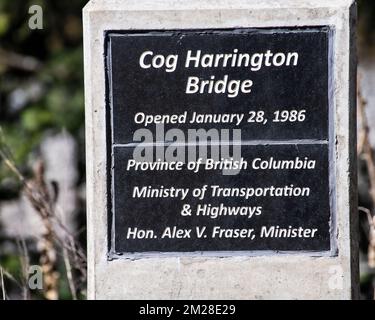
217 143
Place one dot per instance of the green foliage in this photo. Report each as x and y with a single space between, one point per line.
57 49
4 23
41 90
12 262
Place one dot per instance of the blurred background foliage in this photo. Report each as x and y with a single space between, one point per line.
41 93
41 72
366 15
41 90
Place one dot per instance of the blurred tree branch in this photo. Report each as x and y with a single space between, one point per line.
43 200
18 61
365 150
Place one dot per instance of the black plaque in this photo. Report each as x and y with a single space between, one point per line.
283 118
